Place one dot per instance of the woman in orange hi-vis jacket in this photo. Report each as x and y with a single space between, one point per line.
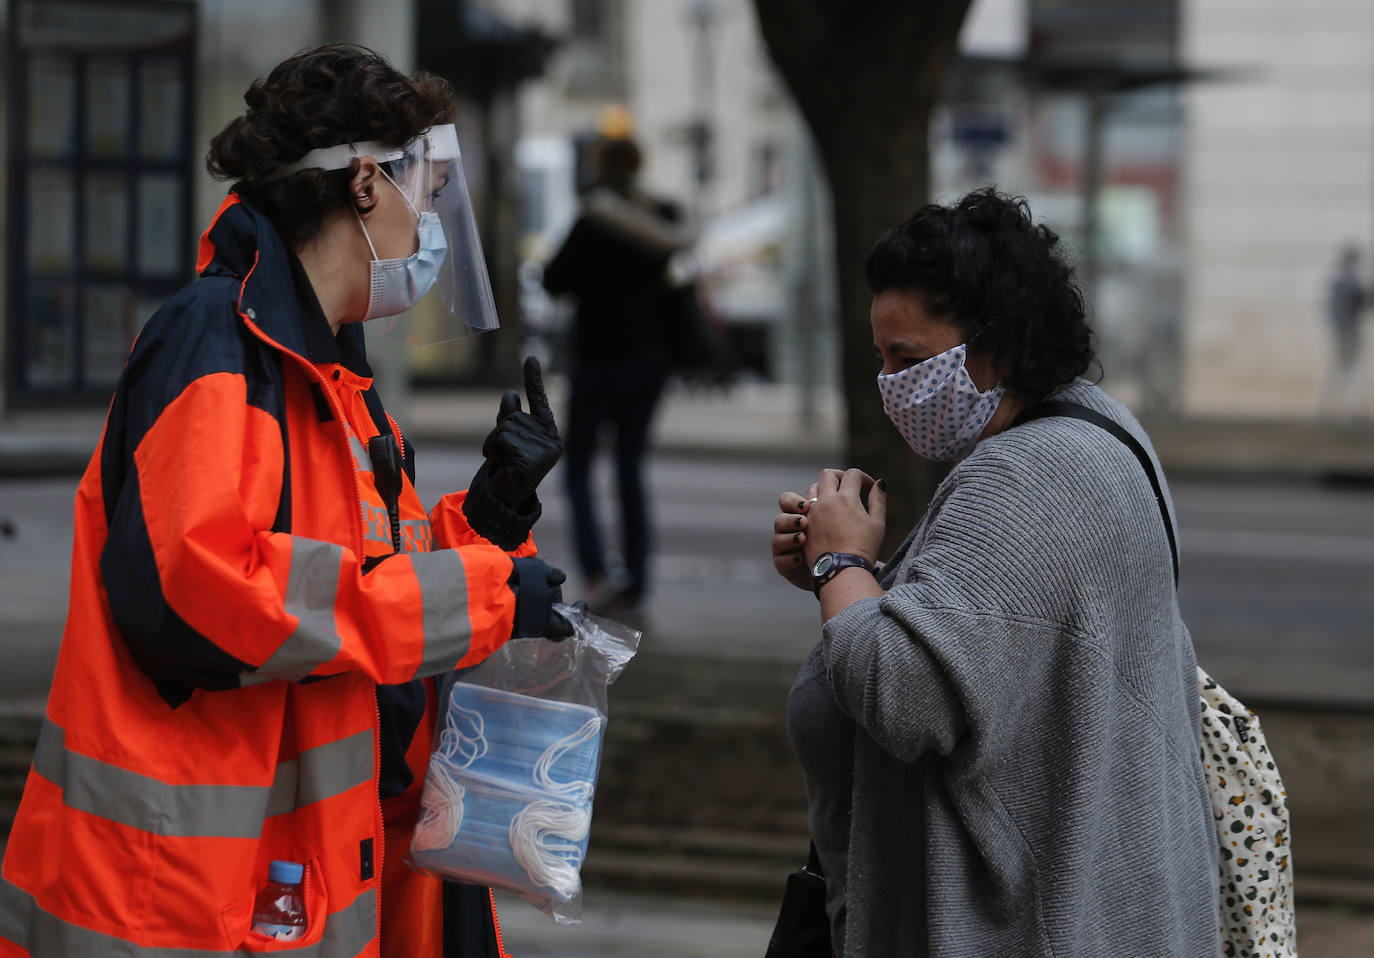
259 602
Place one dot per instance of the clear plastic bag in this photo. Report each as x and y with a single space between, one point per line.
507 799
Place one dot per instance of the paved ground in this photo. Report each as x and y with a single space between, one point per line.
637 926
619 925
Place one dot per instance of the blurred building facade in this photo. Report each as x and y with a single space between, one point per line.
692 82
109 106
1227 148
722 135
1279 174
1205 206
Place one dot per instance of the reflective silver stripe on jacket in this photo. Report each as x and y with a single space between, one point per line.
360 456
216 811
346 932
416 535
444 597
322 772
312 591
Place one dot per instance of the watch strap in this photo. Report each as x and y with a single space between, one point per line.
842 560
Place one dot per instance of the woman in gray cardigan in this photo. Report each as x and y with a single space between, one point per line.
999 727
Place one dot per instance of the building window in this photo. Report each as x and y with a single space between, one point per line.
596 48
100 108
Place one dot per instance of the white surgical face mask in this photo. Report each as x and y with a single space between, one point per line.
398 284
936 406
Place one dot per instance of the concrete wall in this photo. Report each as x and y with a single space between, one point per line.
1278 175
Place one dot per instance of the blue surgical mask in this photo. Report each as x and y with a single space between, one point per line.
508 794
398 284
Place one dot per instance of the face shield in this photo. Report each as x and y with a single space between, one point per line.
428 171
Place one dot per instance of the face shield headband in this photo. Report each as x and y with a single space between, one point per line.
429 173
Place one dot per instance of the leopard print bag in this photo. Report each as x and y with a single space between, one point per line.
1249 802
1250 806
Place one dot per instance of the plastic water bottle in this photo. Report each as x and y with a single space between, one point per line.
280 909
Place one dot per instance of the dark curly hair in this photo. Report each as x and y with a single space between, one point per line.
332 94
984 265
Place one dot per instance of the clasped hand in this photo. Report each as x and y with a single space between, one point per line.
842 511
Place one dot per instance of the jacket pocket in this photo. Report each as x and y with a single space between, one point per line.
237 918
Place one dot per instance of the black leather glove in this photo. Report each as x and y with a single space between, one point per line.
537 587
501 503
524 446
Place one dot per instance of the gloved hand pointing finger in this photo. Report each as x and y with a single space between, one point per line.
501 504
524 446
534 391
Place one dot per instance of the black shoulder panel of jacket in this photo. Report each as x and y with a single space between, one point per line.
197 333
175 656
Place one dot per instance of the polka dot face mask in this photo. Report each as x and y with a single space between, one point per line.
936 407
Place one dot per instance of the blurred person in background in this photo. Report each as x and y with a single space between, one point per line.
998 729
1344 387
259 600
615 262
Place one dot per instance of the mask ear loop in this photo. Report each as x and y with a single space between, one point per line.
546 836
463 748
441 802
976 333
363 227
405 199
441 808
577 790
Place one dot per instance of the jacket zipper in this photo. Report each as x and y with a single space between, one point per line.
496 923
360 548
400 439
336 408
305 901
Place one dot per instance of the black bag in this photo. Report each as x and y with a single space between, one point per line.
803 928
696 348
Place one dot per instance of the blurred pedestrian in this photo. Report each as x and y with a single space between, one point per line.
999 727
1344 387
615 261
259 601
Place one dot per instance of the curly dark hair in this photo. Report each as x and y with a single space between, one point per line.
984 265
332 94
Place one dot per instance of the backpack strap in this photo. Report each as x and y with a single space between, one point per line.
1073 410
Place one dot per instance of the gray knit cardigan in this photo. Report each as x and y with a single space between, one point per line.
1026 777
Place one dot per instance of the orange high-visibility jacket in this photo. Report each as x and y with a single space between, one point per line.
214 705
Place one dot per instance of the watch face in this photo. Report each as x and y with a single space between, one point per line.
823 564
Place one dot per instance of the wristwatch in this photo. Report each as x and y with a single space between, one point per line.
828 565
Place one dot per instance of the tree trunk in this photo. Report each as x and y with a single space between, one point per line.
866 77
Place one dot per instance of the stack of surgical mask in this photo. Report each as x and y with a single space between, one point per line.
508 797
507 800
